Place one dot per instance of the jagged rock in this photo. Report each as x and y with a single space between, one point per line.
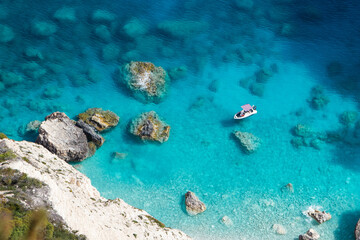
357 230
249 142
319 216
149 126
226 221
99 119
193 205
303 130
311 234
279 229
60 136
145 78
90 133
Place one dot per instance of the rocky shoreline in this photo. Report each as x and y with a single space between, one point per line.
71 199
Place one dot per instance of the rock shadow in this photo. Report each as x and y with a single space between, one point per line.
347 225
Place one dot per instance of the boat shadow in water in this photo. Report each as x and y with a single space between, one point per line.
230 122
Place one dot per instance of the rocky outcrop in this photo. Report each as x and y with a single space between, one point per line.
145 78
357 230
99 119
319 216
91 133
60 136
249 142
78 203
279 229
193 205
311 234
149 126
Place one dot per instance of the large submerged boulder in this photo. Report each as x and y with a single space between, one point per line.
249 142
149 126
193 205
60 136
145 78
99 119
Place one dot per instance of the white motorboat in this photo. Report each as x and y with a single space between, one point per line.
247 111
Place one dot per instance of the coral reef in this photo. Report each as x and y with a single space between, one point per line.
149 126
248 142
99 119
60 136
193 205
146 78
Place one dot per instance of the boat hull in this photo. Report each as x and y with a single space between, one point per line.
248 114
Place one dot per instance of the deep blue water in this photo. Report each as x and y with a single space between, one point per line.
298 39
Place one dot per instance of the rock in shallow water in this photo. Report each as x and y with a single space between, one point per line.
248 141
319 216
145 78
357 230
311 234
60 136
279 229
193 205
99 119
90 133
148 126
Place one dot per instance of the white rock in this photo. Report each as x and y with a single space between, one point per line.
279 229
79 204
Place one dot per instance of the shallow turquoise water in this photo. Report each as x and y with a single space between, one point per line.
201 154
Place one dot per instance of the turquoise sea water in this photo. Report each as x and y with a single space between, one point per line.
310 43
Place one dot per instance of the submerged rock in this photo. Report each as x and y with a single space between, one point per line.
60 136
178 72
135 28
182 28
90 133
149 126
6 34
33 126
318 99
279 229
65 15
119 155
298 142
348 117
103 16
226 221
311 234
319 216
193 205
43 28
244 4
99 119
146 78
249 142
303 130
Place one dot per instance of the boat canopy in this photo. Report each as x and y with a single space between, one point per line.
246 107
